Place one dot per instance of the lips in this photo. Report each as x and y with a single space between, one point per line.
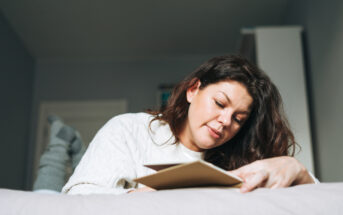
214 133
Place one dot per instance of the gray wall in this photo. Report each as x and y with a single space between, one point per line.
16 80
135 80
323 23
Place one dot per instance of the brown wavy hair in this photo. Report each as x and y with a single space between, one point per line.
265 133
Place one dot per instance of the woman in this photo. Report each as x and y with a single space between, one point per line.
226 112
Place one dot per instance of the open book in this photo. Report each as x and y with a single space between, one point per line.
193 174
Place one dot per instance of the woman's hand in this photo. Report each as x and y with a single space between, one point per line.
142 189
273 173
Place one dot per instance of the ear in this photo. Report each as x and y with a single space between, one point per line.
193 90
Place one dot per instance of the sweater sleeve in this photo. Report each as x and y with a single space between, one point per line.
316 181
107 166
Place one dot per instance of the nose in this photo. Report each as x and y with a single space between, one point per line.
225 117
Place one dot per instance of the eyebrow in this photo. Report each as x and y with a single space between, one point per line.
229 100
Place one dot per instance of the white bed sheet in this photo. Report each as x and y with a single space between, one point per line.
324 198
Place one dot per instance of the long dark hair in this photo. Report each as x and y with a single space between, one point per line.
266 132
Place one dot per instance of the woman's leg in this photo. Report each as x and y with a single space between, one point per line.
52 167
77 149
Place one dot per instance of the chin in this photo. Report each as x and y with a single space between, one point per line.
207 145
206 142
210 145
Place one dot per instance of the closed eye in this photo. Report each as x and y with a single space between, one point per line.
238 120
219 104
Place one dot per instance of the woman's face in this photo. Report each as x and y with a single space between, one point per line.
215 115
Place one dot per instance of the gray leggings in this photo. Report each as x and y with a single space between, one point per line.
65 148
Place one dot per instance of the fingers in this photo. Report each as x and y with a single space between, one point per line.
149 189
272 173
236 172
253 181
142 189
246 170
253 176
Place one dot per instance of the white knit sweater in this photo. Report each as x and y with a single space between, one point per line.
118 152
120 149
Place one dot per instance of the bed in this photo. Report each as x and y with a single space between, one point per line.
324 198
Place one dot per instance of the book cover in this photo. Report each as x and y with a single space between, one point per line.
193 174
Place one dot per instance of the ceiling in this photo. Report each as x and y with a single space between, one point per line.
136 28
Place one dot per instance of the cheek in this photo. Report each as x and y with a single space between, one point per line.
201 111
198 110
204 109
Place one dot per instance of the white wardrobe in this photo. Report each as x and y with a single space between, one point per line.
279 52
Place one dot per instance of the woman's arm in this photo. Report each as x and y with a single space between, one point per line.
273 173
107 166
